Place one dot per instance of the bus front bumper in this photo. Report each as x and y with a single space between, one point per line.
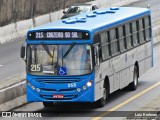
67 96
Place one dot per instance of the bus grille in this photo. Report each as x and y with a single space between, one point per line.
58 80
61 90
67 93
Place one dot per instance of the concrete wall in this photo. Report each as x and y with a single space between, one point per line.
17 10
17 16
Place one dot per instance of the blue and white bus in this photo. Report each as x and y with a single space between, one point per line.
89 56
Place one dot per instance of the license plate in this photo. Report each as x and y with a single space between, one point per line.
58 96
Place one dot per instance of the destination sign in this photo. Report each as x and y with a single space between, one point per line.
58 35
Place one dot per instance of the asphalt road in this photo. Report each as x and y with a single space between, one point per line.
10 62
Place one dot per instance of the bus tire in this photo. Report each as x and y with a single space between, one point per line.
133 85
47 104
102 102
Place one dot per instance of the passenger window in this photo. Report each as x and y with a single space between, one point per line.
121 38
147 28
96 39
141 31
105 45
128 35
114 41
135 33
104 37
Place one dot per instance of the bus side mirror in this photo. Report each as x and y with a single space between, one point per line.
96 55
22 53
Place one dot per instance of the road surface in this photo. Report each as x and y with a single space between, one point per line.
10 62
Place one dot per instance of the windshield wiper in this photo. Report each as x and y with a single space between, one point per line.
47 50
69 49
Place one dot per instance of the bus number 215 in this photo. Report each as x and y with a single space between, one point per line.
35 68
39 35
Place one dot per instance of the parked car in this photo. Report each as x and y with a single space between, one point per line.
78 8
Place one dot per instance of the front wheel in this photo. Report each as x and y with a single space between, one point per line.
102 102
134 84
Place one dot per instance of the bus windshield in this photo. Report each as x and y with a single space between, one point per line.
50 59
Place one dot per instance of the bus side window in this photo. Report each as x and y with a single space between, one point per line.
122 38
141 31
114 42
105 45
138 27
134 33
128 35
147 28
96 40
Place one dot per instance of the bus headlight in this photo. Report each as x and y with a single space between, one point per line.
38 90
89 83
84 87
78 90
29 84
33 88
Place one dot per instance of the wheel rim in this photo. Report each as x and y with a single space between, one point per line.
135 78
104 93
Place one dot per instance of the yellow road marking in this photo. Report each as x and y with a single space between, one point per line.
125 102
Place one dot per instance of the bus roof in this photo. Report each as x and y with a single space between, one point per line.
105 17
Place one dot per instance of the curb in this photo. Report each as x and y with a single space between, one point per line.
12 92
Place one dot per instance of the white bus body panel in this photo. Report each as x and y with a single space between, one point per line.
98 92
148 60
120 69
